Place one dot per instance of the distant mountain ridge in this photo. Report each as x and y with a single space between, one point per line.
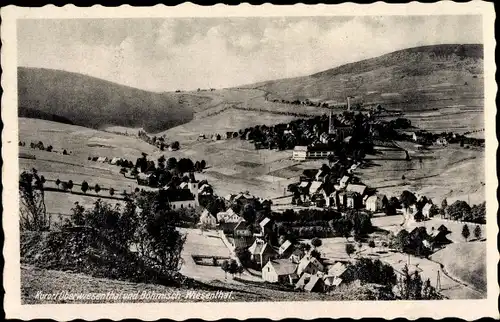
407 72
94 103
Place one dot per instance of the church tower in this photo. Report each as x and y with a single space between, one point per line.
331 128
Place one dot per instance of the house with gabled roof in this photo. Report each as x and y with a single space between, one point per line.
279 271
206 218
344 181
358 188
261 252
310 265
296 255
310 283
266 226
285 249
228 216
338 274
376 202
315 187
242 229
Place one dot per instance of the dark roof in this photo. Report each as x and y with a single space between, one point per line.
244 242
173 195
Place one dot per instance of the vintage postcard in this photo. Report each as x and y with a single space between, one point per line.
249 161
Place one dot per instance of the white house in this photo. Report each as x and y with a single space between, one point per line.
375 202
115 160
426 210
299 153
228 216
279 271
206 218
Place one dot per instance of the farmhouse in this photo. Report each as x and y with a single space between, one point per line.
375 202
115 160
310 283
143 179
279 271
337 274
344 181
206 218
315 187
310 265
265 225
228 216
358 188
242 229
350 199
296 256
285 249
261 252
332 200
178 198
302 153
426 210
102 159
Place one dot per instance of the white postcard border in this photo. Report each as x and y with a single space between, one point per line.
467 309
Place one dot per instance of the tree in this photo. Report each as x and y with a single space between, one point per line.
225 268
64 186
477 232
459 210
233 267
70 185
97 188
111 191
465 232
371 244
171 163
316 242
85 186
58 182
444 206
65 152
203 164
407 198
175 145
123 171
134 172
350 249
33 214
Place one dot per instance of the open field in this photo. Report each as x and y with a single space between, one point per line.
465 261
461 169
207 244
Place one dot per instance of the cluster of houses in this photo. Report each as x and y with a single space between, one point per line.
285 264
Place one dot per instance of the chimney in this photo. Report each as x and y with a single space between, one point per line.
348 103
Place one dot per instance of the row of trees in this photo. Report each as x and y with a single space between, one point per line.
159 141
462 211
40 146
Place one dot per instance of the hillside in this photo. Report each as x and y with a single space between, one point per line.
417 74
95 103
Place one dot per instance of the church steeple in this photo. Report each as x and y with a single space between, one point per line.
331 129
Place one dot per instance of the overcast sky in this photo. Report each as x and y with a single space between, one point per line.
182 53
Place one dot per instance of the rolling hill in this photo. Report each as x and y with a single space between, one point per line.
96 103
410 75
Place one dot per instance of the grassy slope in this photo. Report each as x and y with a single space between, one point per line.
465 261
411 73
92 102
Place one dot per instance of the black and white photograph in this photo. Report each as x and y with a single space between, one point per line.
251 158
